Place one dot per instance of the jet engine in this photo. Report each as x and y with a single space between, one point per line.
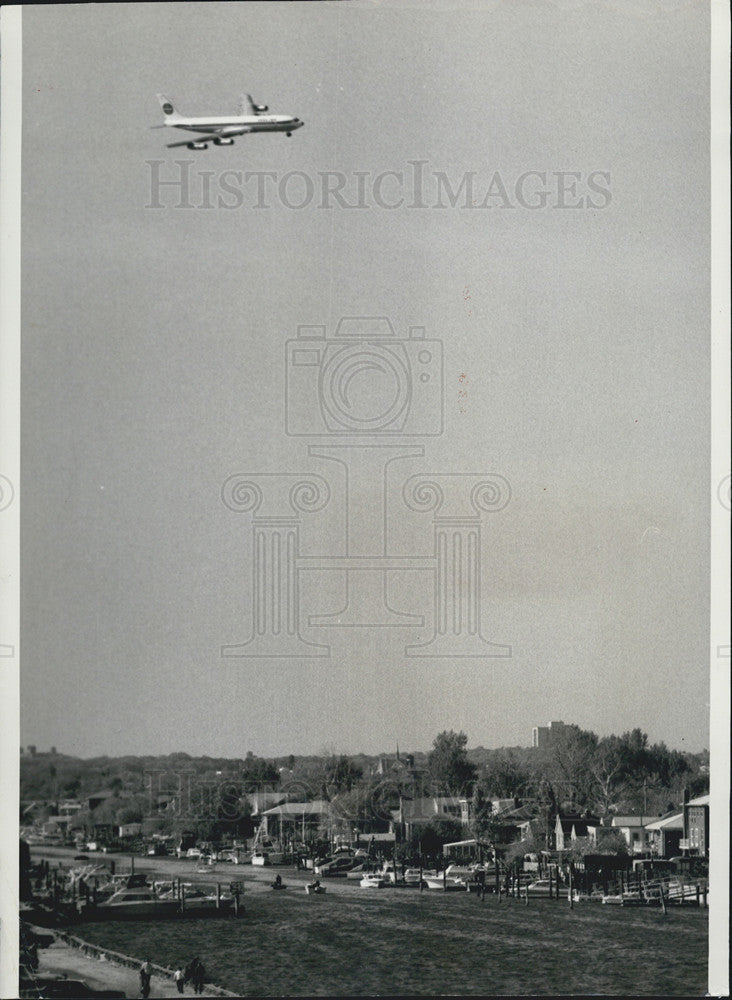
222 141
198 145
261 107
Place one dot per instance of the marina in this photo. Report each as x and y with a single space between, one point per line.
350 941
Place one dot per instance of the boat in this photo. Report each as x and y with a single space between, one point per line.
264 852
463 872
616 899
341 864
134 899
196 899
315 889
444 883
578 896
373 881
413 876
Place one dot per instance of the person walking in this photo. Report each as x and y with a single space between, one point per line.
199 974
189 970
178 978
145 977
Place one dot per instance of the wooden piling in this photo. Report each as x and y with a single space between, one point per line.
663 899
444 879
571 901
218 895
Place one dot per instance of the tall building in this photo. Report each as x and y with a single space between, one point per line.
542 736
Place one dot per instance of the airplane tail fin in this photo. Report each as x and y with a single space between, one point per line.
167 105
248 107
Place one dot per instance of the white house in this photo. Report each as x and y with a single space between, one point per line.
633 828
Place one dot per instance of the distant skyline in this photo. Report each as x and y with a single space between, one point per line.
396 749
153 368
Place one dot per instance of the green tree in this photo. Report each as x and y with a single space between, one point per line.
611 841
258 773
505 776
437 832
128 814
341 774
610 770
450 770
565 767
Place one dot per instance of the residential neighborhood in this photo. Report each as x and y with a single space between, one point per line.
569 794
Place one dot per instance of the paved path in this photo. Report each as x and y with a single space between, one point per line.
62 959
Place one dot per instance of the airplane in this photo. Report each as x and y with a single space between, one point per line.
221 129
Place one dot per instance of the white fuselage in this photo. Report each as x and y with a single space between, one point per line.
253 123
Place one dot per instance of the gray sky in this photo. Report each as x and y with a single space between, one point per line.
153 366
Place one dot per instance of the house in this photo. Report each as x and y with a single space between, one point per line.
517 823
467 850
413 814
401 771
129 830
569 828
695 814
298 820
260 801
633 829
98 798
666 835
69 807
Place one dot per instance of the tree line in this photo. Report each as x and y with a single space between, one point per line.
577 771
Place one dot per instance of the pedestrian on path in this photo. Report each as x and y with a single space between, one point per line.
179 977
145 977
199 975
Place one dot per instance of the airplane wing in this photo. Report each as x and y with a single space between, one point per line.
224 133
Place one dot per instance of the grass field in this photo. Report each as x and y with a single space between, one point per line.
401 941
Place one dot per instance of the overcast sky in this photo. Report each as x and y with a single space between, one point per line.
154 362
